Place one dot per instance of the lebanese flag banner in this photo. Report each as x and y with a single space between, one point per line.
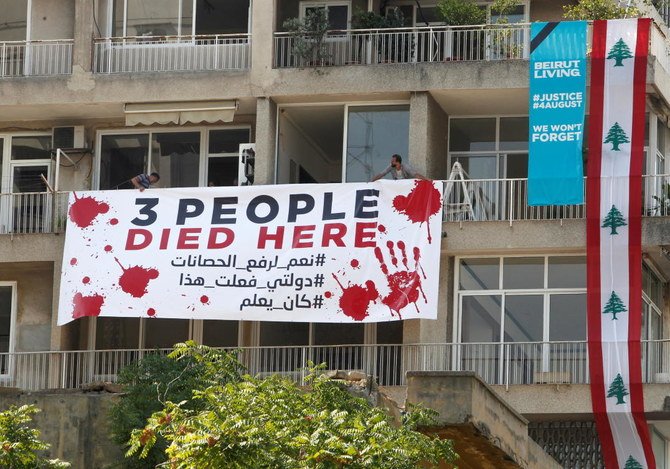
614 260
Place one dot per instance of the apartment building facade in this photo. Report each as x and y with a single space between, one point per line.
94 92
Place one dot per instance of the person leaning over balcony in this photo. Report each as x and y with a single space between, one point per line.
399 170
143 181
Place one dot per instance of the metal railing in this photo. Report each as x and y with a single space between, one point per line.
507 364
507 200
35 58
171 53
403 45
33 212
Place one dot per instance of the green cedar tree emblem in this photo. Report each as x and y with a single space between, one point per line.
619 52
631 463
614 306
617 389
613 220
616 136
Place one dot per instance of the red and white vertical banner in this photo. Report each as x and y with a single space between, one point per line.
614 256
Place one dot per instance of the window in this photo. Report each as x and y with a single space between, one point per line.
7 318
512 307
177 155
338 13
177 17
14 25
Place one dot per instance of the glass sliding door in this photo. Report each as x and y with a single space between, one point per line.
374 133
176 157
122 157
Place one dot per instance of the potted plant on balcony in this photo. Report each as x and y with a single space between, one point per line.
308 38
599 10
386 46
464 45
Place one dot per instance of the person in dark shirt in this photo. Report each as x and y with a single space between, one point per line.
143 181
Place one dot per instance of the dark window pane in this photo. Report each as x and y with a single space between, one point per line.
567 272
176 157
479 274
338 17
523 318
472 134
481 319
523 272
220 333
5 317
389 332
517 167
117 333
222 171
221 16
164 333
335 334
284 333
227 141
31 148
122 157
567 317
514 133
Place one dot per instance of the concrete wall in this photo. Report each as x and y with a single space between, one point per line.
52 19
547 10
75 424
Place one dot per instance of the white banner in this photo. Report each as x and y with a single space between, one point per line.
309 253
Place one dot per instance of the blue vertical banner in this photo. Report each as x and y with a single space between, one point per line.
556 113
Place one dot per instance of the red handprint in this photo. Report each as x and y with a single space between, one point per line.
404 285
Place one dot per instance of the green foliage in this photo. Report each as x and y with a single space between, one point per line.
272 423
156 379
461 12
308 36
599 10
20 445
371 20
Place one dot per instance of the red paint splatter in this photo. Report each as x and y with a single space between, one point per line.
204 299
151 312
73 261
328 294
356 299
404 285
355 264
135 279
114 221
108 248
86 280
381 228
86 305
84 211
420 204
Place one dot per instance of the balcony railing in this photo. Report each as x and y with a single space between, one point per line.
507 200
404 45
33 212
497 363
35 58
172 53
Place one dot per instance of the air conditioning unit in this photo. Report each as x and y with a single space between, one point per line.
69 137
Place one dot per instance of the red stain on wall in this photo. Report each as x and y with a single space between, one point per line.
84 211
86 305
420 204
135 279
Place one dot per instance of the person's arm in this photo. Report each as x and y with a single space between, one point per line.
382 174
136 183
413 173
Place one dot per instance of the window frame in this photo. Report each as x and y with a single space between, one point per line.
150 130
304 5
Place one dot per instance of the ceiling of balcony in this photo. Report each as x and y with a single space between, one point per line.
483 102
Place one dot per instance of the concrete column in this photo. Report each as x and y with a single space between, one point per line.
427 136
83 36
262 43
266 125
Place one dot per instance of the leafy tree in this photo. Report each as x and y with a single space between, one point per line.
461 12
619 52
152 381
309 36
20 445
617 389
631 463
598 10
614 220
616 136
614 306
272 423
